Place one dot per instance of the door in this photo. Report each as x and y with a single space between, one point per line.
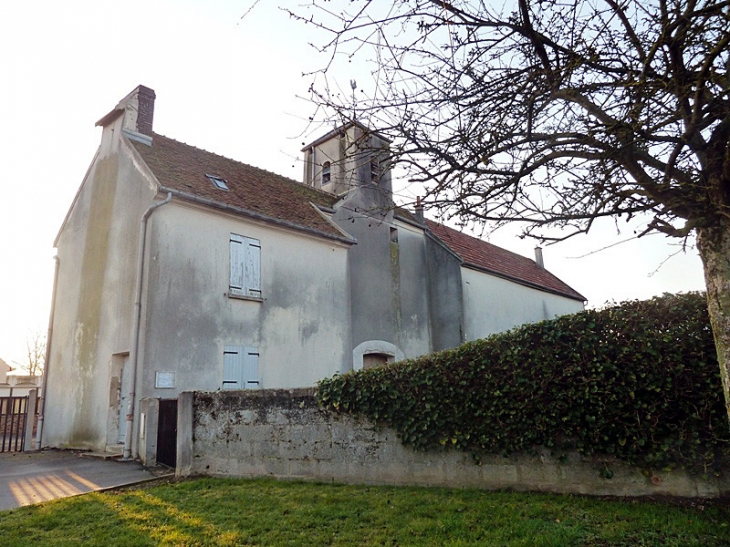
125 386
167 433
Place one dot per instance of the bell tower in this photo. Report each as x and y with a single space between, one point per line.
350 159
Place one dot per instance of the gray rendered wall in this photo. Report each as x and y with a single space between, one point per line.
284 434
372 285
388 285
387 280
409 256
97 250
299 326
445 296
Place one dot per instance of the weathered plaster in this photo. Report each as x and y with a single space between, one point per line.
493 304
300 326
97 250
323 304
285 434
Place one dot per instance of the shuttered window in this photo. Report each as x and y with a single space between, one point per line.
374 169
240 367
245 266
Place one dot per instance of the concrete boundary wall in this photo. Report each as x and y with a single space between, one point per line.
285 434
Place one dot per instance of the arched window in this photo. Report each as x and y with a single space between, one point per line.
374 353
326 173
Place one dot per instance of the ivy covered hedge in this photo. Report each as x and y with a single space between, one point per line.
639 381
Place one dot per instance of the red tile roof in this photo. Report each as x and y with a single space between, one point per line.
490 258
183 168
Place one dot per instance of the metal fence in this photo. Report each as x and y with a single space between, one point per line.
17 421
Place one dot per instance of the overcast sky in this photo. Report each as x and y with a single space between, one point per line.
230 86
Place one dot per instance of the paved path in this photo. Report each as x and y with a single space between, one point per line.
32 477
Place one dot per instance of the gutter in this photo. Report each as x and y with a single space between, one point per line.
47 359
137 326
254 215
543 288
406 220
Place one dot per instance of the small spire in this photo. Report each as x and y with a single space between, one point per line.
353 85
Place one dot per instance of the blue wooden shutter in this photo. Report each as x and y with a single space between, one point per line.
240 367
245 266
251 368
233 367
238 254
253 267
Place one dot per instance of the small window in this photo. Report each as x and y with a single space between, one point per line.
240 368
218 181
394 235
374 169
326 176
245 267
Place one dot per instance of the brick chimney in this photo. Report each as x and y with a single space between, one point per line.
145 109
138 109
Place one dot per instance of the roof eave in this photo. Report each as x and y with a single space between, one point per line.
436 239
110 117
410 221
342 128
254 215
577 296
334 225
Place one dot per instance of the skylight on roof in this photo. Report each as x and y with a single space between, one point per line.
218 181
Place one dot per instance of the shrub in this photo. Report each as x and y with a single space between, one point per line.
639 381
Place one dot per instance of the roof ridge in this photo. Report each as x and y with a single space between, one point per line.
480 240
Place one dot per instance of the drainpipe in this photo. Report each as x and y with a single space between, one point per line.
312 168
137 324
47 359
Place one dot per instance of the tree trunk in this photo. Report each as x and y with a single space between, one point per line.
714 247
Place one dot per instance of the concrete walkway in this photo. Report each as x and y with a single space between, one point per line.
33 477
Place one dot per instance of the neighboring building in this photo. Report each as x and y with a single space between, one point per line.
183 270
4 369
17 385
20 385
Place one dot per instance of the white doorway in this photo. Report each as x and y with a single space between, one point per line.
125 385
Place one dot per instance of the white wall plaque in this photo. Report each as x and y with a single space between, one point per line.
164 379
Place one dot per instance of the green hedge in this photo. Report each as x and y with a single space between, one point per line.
639 381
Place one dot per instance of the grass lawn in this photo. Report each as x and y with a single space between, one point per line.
265 512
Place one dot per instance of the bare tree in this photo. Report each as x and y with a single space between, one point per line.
555 114
35 346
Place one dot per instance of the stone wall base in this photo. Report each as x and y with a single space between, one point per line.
285 434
